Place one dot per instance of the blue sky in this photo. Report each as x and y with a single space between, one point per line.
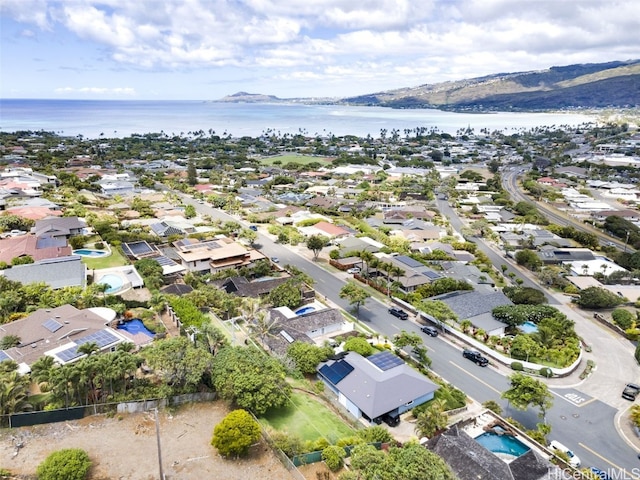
206 49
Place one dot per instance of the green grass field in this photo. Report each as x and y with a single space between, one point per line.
292 158
116 259
308 419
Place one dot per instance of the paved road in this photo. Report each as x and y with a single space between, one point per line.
586 426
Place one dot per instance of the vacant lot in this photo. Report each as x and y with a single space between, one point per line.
125 447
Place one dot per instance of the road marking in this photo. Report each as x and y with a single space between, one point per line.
577 399
476 378
617 467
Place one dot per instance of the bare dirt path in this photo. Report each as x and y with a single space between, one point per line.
125 447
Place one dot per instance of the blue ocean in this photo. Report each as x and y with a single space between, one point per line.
117 119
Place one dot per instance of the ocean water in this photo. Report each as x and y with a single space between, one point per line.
117 119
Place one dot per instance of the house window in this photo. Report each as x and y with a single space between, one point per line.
409 403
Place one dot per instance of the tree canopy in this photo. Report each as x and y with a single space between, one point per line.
316 243
598 297
250 379
526 391
355 294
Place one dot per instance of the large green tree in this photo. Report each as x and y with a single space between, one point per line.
355 295
250 379
316 243
178 362
235 434
307 356
598 297
526 391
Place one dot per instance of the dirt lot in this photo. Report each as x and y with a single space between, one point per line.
124 447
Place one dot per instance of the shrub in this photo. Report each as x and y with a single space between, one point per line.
637 353
517 366
333 456
235 433
66 464
546 372
632 334
623 318
99 246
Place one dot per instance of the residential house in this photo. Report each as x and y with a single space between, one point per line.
551 255
358 244
57 273
59 227
242 287
414 273
471 461
630 215
212 256
476 306
376 387
58 332
310 327
325 229
34 247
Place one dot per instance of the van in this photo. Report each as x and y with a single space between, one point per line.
574 461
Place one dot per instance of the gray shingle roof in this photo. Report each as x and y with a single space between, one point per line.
471 304
56 272
376 392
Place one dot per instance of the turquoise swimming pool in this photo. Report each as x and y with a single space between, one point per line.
505 444
115 282
528 327
87 252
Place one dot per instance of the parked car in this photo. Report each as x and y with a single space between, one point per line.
253 227
631 391
275 259
353 270
397 312
476 357
431 331
574 461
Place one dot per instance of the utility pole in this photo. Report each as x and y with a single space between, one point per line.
159 450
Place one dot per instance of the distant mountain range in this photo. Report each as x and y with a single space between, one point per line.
597 85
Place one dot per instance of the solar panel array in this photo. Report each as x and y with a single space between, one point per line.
52 325
137 248
4 356
337 371
102 338
68 354
164 261
409 262
385 360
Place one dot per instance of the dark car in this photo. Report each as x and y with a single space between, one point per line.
431 331
476 357
631 391
397 312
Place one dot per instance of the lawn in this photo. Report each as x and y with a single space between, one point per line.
308 419
302 159
116 259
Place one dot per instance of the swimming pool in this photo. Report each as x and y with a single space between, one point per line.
303 310
115 282
528 327
87 252
505 444
135 326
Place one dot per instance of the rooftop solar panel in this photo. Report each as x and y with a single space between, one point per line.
164 261
409 262
385 360
68 354
4 356
52 325
337 371
102 338
137 248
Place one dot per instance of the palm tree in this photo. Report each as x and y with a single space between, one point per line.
213 337
14 393
432 420
88 348
262 325
41 371
366 257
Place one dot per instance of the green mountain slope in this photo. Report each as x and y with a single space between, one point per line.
613 84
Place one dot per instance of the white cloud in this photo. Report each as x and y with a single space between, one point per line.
392 43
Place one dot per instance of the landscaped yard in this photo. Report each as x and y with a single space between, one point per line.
116 259
308 419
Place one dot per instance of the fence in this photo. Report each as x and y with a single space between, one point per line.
313 457
26 419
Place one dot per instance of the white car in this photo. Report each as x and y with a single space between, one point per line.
574 461
353 270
